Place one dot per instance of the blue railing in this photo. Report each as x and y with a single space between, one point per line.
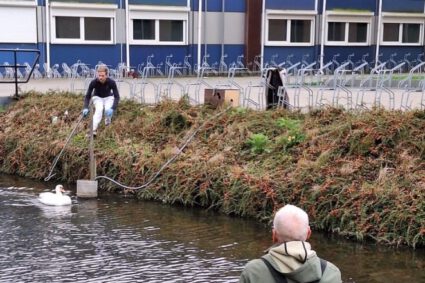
16 66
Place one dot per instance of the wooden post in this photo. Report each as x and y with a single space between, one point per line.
92 161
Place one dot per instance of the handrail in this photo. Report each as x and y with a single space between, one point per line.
15 66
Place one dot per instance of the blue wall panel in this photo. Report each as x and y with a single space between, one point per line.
284 52
416 6
344 51
369 5
89 54
139 54
214 50
6 56
291 5
159 2
216 5
401 51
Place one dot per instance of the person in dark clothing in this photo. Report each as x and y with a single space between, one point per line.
104 93
273 82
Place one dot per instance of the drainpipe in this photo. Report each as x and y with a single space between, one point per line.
323 34
47 36
127 43
204 30
378 34
263 18
223 29
199 34
121 44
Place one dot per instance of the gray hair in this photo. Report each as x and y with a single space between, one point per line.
291 224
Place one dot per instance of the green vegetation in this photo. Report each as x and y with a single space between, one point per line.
359 175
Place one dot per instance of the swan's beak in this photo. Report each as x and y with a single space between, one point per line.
63 190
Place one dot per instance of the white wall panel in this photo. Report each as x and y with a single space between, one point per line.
18 25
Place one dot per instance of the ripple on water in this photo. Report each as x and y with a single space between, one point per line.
90 242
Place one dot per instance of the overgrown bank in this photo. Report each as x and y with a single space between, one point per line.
359 175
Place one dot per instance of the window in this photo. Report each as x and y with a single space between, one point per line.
300 31
336 31
357 32
97 29
402 28
402 33
277 30
289 29
411 33
391 32
352 33
346 28
67 27
144 29
170 30
82 23
158 25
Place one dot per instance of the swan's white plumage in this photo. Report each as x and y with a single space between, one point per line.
57 198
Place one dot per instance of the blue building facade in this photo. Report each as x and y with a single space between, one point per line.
114 31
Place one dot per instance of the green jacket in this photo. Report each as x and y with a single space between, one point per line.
296 261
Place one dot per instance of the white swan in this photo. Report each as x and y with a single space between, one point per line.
49 198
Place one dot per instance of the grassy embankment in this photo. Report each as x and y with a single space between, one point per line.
359 175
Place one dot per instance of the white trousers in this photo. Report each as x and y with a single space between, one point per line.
100 104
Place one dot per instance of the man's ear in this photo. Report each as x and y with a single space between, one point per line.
308 233
274 236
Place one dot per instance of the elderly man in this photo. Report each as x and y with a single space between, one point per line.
291 258
103 92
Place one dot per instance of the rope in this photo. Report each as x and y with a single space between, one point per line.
61 152
153 177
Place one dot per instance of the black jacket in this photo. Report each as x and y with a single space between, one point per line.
102 90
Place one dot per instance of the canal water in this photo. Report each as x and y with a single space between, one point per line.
118 239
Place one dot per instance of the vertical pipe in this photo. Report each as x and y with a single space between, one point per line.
47 36
322 39
204 30
15 67
378 34
199 34
224 27
263 18
127 43
121 43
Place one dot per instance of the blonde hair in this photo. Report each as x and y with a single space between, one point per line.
291 224
102 68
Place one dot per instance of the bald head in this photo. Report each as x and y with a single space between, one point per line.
291 224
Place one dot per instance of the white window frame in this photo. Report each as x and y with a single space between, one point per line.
157 13
82 11
400 19
349 18
289 16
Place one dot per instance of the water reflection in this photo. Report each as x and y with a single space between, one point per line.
117 239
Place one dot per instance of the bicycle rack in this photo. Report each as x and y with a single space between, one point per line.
164 88
407 82
187 65
338 84
366 84
15 67
197 84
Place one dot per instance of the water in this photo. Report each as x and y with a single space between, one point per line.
119 239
